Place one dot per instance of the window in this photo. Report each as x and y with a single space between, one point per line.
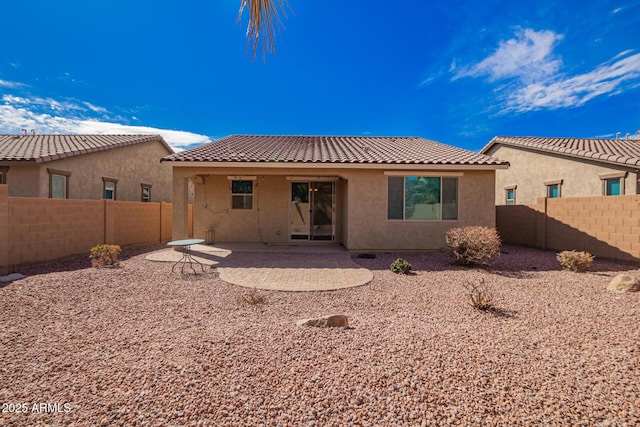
241 194
613 183
146 192
422 198
3 174
510 195
109 188
612 187
58 184
553 188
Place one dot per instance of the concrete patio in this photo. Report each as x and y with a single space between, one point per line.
277 267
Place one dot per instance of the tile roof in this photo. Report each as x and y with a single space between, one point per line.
619 151
332 149
45 148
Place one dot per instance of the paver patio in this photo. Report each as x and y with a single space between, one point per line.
278 267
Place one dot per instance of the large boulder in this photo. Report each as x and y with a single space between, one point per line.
331 321
624 283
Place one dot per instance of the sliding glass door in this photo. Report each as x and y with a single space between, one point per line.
312 211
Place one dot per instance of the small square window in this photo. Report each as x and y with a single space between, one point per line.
612 187
3 174
510 196
242 195
553 191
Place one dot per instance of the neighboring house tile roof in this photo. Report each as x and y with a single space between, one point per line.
624 152
45 148
332 149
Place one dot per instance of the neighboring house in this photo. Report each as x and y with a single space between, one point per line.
564 167
119 167
367 193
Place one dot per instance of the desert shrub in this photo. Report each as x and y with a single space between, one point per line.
251 297
400 266
575 260
473 245
105 255
480 296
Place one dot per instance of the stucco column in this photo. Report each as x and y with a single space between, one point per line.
180 228
4 229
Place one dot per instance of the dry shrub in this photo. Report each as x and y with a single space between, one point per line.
251 297
480 296
575 260
400 266
105 256
473 245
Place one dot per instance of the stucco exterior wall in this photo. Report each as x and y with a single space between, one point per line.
23 181
131 165
361 208
529 170
268 221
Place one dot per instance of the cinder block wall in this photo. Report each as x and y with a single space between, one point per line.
34 230
47 229
604 226
133 223
4 229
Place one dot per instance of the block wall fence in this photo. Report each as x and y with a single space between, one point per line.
34 230
608 227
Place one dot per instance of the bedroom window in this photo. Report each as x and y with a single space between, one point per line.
241 194
422 198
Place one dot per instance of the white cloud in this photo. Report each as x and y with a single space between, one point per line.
528 56
13 85
606 79
535 80
17 114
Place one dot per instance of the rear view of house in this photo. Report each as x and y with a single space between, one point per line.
564 167
117 167
375 193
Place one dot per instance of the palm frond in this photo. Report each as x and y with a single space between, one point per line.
264 23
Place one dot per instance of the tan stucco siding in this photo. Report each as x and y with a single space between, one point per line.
361 208
369 228
23 181
131 165
529 170
267 221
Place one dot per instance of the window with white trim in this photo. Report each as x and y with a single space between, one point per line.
109 188
422 198
241 194
553 188
510 195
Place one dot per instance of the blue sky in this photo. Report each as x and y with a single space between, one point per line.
456 72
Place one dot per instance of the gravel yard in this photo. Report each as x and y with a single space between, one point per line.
138 345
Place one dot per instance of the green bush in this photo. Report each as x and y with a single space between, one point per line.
575 261
473 245
400 266
105 255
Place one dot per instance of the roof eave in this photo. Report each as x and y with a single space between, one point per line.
594 158
324 165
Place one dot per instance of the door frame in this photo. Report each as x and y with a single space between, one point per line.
310 181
